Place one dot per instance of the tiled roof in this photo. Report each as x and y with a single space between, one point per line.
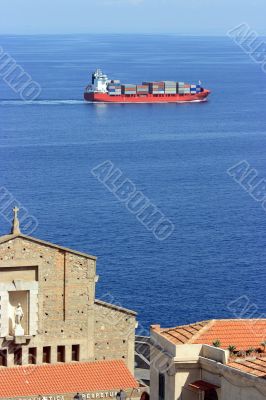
242 333
51 379
183 334
255 367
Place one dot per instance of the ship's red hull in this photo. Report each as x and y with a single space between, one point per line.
148 98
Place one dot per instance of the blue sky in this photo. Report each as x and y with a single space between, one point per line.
193 17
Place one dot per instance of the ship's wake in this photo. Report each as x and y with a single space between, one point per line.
40 102
82 102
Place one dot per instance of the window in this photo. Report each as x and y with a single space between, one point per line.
61 353
3 358
32 355
75 352
46 357
211 395
18 356
161 387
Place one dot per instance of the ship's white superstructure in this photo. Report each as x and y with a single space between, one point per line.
99 82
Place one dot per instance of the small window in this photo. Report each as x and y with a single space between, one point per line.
32 355
18 356
161 387
60 353
46 358
75 352
3 358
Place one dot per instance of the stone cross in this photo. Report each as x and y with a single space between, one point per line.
15 227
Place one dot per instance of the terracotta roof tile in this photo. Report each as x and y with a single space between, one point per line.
242 333
65 378
255 367
182 334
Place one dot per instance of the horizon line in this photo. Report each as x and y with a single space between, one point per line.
117 34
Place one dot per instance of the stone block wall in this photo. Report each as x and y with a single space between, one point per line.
65 303
114 333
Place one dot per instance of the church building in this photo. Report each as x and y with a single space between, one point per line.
48 310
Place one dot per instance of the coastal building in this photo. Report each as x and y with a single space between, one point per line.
51 322
209 360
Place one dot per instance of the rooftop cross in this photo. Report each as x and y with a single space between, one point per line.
15 227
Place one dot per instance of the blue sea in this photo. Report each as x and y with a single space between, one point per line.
176 155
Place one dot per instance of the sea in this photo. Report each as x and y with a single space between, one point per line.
213 264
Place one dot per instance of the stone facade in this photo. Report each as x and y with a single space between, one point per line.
114 333
56 287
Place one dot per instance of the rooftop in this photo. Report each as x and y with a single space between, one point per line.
255 367
51 379
241 333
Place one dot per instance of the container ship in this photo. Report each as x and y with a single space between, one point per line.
105 90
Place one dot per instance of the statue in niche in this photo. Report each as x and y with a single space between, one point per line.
19 314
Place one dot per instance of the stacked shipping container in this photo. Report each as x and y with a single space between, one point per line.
183 88
170 87
129 89
114 88
155 87
142 89
198 88
193 89
167 87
